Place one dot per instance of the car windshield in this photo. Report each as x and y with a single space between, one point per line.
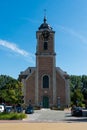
78 108
30 107
18 107
8 107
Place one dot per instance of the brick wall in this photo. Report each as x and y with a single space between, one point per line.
60 82
30 89
45 67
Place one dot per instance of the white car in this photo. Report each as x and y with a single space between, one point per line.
2 108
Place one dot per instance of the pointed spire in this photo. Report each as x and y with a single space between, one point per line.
45 19
45 25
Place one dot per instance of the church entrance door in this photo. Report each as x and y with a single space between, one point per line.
45 102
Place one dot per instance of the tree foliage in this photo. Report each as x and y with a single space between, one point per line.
10 90
78 86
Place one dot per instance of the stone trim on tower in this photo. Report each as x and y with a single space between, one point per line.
36 83
54 82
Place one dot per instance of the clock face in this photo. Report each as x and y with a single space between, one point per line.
45 35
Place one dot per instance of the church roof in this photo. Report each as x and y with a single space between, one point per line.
27 72
62 73
45 25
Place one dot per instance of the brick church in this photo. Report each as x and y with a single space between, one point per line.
45 85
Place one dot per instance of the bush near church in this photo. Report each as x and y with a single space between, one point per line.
12 116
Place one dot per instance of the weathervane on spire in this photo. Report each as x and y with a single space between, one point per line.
45 12
45 16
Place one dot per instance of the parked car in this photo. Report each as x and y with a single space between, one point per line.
2 108
19 109
76 111
29 110
8 109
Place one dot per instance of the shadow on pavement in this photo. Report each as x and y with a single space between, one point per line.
77 120
70 118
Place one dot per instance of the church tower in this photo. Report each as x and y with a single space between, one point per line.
45 85
45 89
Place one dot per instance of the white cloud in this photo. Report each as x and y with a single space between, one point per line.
13 47
30 20
74 33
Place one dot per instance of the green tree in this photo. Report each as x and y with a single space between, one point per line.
76 86
84 89
10 90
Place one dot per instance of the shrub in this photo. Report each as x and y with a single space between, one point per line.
12 116
37 107
56 108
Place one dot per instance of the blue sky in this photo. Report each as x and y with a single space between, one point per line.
19 21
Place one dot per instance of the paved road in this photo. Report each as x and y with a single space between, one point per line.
47 115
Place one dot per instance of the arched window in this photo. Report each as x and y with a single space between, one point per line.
45 45
45 81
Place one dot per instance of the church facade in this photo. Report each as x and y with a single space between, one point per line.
45 85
